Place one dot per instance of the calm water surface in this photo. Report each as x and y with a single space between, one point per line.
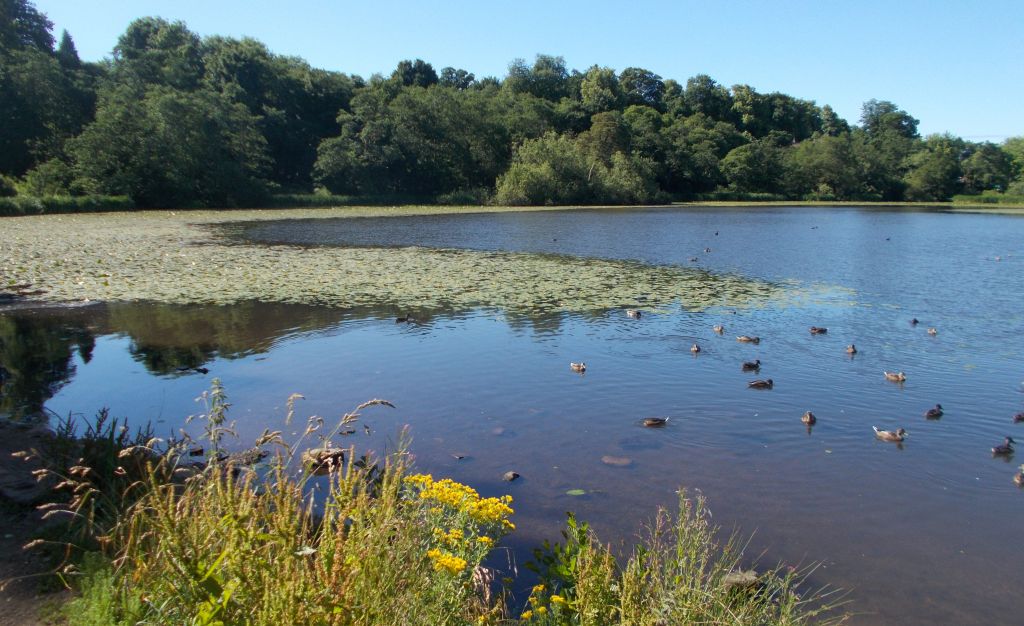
923 533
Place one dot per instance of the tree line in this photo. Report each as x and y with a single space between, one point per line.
172 119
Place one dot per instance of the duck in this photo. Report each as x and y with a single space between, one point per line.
578 367
914 322
695 348
761 384
808 418
633 314
748 339
889 435
932 332
934 413
718 328
1018 478
707 250
851 349
896 377
1004 449
818 330
751 365
1018 418
655 422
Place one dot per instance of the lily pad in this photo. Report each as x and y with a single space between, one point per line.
576 492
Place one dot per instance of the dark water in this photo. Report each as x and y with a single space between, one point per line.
923 533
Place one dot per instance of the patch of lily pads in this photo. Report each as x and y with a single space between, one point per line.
177 257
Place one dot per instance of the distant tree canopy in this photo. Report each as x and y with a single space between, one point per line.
175 119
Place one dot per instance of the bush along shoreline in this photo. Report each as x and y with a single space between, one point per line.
149 532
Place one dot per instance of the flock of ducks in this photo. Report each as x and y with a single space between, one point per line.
1005 449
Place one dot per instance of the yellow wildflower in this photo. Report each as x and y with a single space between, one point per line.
541 610
526 615
487 541
446 562
556 599
538 588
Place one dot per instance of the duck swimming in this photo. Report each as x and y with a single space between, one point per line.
655 422
1019 477
718 328
761 384
818 330
748 339
934 413
808 418
851 349
633 314
896 377
889 435
751 365
1018 418
932 332
695 348
1005 449
578 367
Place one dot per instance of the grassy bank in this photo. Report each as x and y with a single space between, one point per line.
223 544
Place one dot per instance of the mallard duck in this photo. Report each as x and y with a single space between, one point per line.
578 367
1018 418
761 384
751 365
934 412
932 332
718 328
808 418
851 349
1005 449
655 422
896 377
889 435
818 330
320 461
748 339
633 314
695 348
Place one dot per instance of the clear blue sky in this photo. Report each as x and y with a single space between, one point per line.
957 66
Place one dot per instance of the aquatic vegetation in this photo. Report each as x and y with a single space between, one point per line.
178 257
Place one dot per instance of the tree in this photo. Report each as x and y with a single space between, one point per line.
642 86
824 167
881 116
157 52
754 167
67 55
831 124
168 148
988 167
22 26
934 173
704 95
548 78
600 90
416 73
456 79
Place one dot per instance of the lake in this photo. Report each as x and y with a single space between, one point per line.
919 533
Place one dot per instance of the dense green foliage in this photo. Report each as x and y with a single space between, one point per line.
173 119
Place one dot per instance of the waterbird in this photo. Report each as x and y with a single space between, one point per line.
896 377
707 250
1018 418
695 348
914 322
934 413
718 328
761 384
932 332
889 435
1019 477
655 422
1004 449
578 367
748 339
808 418
851 349
818 330
633 314
751 365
